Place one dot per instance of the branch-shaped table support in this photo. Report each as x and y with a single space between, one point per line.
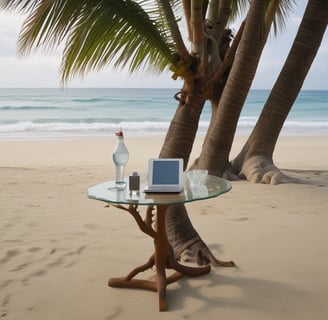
163 257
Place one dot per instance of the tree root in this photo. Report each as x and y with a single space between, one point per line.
199 253
186 242
259 169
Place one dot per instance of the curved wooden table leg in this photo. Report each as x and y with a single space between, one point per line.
129 282
133 283
163 258
149 264
160 259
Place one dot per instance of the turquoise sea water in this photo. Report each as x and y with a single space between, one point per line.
59 113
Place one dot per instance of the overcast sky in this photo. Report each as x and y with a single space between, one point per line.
40 70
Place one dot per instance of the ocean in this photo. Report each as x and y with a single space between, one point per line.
72 113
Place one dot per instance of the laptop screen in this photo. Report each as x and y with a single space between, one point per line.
165 172
165 175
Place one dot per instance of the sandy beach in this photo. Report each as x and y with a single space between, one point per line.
58 248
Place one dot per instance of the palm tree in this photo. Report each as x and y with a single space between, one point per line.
226 106
254 162
146 33
260 145
139 33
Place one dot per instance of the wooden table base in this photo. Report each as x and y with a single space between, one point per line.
161 281
163 259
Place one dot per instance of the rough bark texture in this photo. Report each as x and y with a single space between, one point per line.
186 242
216 148
184 239
255 161
214 157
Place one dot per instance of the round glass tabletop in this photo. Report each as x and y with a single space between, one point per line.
107 192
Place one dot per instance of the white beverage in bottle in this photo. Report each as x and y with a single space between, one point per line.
120 159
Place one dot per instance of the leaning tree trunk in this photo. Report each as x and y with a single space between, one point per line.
183 128
221 132
178 143
255 161
217 146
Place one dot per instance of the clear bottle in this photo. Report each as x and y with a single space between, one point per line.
120 158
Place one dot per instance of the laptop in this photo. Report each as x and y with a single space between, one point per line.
165 175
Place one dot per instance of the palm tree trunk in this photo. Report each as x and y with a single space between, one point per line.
178 144
179 140
182 236
217 146
184 125
255 160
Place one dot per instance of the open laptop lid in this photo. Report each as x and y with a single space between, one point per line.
165 175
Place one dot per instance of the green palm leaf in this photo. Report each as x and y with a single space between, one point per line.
96 33
124 33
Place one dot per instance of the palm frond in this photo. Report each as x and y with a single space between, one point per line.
168 9
240 7
130 38
285 7
96 33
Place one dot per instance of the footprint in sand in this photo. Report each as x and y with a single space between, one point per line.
90 226
9 255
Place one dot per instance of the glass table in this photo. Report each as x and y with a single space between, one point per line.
163 257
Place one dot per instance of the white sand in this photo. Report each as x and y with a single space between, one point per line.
58 248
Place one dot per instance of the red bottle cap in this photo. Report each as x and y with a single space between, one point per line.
119 133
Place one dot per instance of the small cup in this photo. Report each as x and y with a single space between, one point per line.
197 177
